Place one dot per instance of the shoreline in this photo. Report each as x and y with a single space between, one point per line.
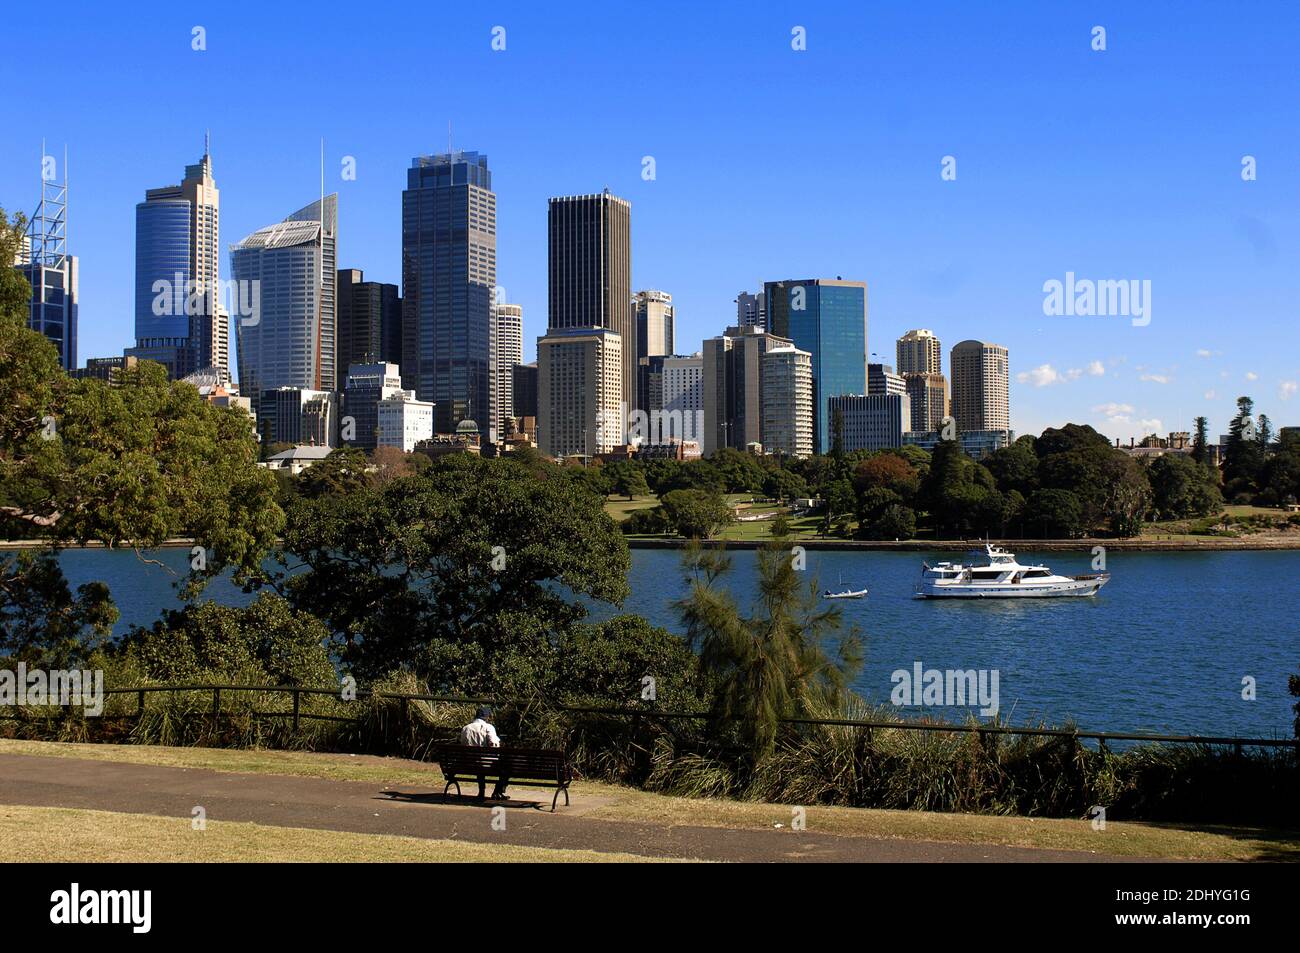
1208 545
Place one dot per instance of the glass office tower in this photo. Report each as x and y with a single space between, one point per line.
449 271
827 318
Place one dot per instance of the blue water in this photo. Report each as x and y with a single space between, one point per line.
1163 648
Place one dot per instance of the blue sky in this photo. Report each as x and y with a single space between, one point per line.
770 163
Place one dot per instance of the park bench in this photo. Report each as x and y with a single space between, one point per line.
537 766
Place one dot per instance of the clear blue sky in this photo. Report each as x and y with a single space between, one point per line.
770 163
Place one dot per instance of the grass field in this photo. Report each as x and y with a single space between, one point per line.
617 803
59 834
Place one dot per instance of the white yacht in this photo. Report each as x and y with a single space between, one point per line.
995 574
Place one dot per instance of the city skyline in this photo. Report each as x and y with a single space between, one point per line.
1121 192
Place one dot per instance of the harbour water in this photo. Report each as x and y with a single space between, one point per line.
1163 648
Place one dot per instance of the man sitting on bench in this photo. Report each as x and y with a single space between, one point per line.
480 733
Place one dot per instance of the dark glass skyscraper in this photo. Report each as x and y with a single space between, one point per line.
827 318
449 271
590 272
369 322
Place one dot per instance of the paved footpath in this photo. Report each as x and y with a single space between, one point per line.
370 808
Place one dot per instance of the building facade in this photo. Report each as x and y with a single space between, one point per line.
919 352
508 351
928 394
403 421
981 386
787 401
288 339
875 421
828 319
751 310
364 386
369 322
42 258
731 387
179 317
449 276
524 394
579 391
589 269
297 415
881 379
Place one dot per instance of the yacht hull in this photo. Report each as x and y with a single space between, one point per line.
1049 589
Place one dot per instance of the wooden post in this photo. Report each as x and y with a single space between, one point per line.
295 709
139 709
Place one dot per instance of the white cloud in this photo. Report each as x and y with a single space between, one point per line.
1202 352
1286 390
1040 376
1096 369
1112 409
1151 424
1209 395
1252 376
1155 378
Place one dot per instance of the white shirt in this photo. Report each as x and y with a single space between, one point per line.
480 734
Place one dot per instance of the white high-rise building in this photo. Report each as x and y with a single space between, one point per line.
580 406
682 408
404 421
787 398
507 351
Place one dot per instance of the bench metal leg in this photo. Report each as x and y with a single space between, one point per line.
558 791
448 787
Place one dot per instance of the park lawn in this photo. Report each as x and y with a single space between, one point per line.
620 507
63 835
620 803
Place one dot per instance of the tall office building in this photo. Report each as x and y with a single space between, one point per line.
732 387
787 401
828 319
365 385
875 421
288 339
43 259
919 352
589 263
508 350
525 390
179 318
751 310
297 415
928 396
369 322
680 402
980 386
449 273
654 323
579 391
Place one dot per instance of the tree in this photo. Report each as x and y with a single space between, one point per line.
1056 514
130 464
780 527
887 471
696 514
1181 488
775 663
1201 442
628 479
463 575
895 521
1242 457
782 484
1014 467
1127 495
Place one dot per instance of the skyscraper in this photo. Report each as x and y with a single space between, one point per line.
654 323
732 387
751 310
508 350
369 322
365 385
288 338
590 273
875 421
449 272
787 401
179 318
44 261
881 379
828 319
579 391
980 386
919 352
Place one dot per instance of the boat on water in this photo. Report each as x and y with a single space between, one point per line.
995 574
844 593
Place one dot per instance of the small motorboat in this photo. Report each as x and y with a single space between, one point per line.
844 593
